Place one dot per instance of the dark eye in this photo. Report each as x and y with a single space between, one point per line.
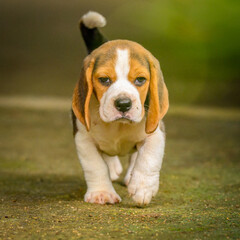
140 81
105 81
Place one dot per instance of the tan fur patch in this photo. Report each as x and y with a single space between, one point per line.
103 71
139 70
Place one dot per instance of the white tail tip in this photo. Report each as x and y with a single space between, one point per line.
93 20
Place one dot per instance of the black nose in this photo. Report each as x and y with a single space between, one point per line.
123 104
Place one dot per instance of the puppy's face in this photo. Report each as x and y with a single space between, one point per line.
123 75
121 83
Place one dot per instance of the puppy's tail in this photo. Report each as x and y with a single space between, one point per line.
89 24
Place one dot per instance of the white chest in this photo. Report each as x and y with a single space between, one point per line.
117 138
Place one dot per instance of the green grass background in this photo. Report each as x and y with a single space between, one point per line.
41 181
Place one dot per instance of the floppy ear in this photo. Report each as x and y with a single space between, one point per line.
158 103
82 93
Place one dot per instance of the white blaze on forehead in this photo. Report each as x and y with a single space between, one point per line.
122 64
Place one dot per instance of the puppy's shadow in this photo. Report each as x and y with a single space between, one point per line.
21 187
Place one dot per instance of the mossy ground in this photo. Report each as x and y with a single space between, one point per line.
42 185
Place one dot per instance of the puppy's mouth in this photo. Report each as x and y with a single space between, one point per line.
123 118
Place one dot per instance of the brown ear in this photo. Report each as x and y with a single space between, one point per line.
158 103
82 93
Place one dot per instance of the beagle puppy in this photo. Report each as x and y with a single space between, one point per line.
117 109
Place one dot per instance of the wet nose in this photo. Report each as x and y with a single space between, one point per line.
123 104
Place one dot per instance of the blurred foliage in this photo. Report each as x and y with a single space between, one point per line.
196 42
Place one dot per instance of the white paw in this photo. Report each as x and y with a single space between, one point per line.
115 167
143 187
102 197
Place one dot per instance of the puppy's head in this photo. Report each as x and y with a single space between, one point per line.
127 82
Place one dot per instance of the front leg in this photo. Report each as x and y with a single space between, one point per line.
144 182
99 186
130 168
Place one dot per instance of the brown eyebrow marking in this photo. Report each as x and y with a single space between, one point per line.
140 58
105 57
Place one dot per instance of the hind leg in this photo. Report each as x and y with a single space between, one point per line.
114 166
